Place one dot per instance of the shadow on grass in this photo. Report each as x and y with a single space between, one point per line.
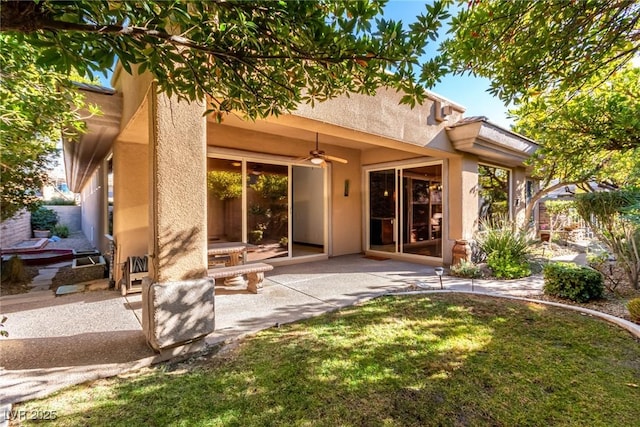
420 360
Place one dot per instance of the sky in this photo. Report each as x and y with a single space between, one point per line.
467 91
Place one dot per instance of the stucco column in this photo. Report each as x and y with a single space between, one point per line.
178 193
519 196
463 202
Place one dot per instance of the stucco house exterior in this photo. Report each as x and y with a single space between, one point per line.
409 188
161 179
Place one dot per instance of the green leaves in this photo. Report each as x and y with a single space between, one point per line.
37 108
530 47
593 134
261 57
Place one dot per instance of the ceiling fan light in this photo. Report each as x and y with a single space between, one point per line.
316 160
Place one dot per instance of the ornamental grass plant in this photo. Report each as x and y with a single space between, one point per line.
505 248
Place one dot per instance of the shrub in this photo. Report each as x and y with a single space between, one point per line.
613 216
466 269
572 282
634 309
225 185
60 201
13 270
43 219
505 247
505 266
60 231
502 236
255 236
611 273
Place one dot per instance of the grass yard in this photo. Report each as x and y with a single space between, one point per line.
441 359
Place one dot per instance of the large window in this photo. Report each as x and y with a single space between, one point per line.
406 210
493 193
249 201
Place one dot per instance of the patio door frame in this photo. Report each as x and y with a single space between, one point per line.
398 168
249 156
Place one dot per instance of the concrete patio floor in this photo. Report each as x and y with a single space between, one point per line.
55 342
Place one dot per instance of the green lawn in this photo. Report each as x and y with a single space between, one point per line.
441 359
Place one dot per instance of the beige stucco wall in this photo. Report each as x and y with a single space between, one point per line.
94 206
178 194
135 87
382 115
346 211
518 196
462 197
131 201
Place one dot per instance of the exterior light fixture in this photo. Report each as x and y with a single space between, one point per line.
439 272
386 192
316 160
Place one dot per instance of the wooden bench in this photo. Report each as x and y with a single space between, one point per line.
254 272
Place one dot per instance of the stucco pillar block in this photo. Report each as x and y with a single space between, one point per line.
177 313
519 196
178 205
463 202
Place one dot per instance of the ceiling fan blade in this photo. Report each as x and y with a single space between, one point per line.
335 159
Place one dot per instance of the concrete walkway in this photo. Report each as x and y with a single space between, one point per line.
58 341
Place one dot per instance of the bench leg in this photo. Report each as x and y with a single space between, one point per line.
255 282
234 280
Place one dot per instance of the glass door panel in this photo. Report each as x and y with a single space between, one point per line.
224 215
307 211
422 211
382 210
267 188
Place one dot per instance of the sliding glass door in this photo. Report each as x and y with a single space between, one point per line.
422 211
382 210
277 209
405 212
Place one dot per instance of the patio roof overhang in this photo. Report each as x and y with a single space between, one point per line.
81 157
491 143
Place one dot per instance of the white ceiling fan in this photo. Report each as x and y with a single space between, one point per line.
318 157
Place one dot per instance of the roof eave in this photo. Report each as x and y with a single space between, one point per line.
81 157
491 142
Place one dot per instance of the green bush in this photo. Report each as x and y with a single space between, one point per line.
43 219
506 266
572 282
60 231
503 237
60 201
505 247
634 309
466 269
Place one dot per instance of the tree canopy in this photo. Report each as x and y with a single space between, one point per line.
36 110
259 57
590 136
527 47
